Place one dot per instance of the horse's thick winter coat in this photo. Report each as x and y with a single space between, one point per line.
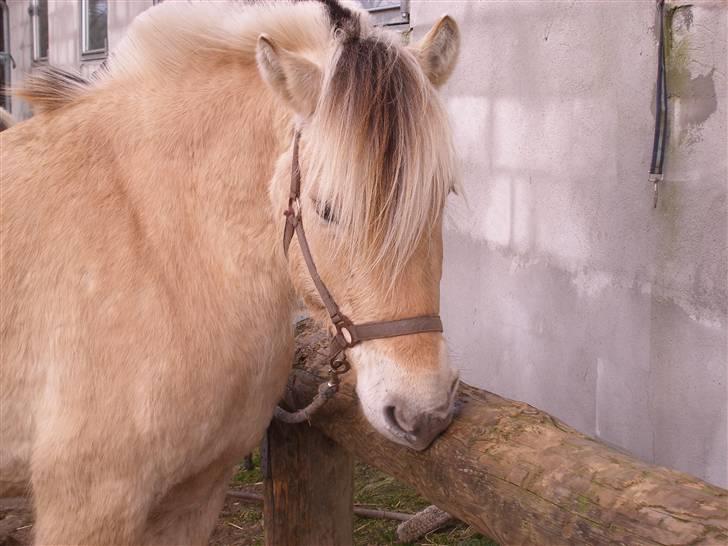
146 301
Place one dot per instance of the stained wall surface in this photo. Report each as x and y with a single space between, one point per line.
563 287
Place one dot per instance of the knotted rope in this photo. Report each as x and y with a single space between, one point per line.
326 392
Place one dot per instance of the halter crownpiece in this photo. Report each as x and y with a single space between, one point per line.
347 334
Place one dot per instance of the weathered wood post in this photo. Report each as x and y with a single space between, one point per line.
308 488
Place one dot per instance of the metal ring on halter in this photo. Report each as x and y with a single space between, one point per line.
339 365
345 328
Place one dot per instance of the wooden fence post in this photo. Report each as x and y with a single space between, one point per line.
308 488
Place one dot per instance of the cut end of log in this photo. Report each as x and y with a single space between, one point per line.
423 522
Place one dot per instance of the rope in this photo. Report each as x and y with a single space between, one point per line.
326 392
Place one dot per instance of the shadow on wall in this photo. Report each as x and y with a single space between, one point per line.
586 301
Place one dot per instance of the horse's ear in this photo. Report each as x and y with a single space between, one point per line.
293 78
438 50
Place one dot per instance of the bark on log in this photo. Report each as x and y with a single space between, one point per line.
522 476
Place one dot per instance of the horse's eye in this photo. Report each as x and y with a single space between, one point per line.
325 212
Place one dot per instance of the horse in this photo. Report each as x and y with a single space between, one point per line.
147 302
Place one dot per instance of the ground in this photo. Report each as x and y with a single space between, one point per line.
241 523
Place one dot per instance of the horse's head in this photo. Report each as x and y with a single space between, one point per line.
376 165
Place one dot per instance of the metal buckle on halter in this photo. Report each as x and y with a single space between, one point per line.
344 329
339 365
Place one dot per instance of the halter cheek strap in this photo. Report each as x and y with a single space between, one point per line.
347 334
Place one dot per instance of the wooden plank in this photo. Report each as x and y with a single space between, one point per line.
522 476
308 488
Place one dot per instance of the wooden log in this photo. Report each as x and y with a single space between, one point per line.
308 484
522 476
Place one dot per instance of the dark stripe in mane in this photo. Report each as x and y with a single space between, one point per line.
372 84
376 91
341 17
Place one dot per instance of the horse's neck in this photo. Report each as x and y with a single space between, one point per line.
200 169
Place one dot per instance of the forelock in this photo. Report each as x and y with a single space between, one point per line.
342 18
384 156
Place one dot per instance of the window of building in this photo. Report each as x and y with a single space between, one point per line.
94 27
389 13
39 28
6 60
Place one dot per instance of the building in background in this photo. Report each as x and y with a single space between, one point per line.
562 286
75 35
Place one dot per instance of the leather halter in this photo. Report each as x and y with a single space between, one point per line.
347 334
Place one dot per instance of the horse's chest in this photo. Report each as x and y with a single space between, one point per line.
248 373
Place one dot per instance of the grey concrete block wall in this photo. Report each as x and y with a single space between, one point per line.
562 286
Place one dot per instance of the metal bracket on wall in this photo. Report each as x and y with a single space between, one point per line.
391 14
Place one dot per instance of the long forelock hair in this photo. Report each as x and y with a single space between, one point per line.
381 151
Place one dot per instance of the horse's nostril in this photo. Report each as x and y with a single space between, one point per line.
421 430
390 415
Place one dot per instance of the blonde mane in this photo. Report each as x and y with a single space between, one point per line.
381 138
174 36
384 158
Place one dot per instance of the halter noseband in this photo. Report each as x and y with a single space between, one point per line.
347 334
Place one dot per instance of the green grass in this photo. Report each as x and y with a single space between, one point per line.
372 487
377 490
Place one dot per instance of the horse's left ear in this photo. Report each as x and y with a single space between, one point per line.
295 79
438 50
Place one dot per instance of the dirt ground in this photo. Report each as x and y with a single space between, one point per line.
15 522
241 523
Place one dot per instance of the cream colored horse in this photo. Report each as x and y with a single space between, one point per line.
146 298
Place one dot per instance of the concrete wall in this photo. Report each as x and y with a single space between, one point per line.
64 37
562 286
